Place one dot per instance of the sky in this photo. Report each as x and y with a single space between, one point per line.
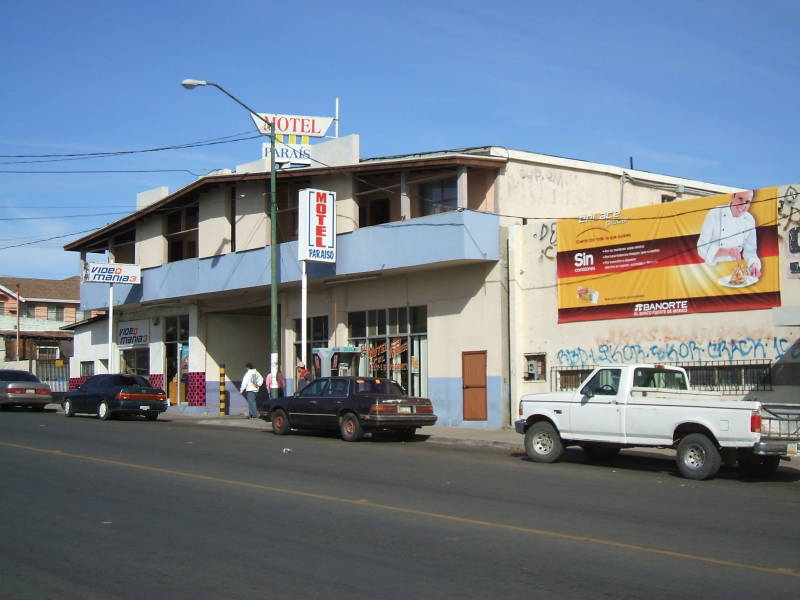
704 90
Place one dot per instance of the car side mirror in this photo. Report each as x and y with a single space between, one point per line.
587 391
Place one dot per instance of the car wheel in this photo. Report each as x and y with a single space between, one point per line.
68 410
599 452
151 416
280 422
350 428
103 412
698 457
542 443
753 465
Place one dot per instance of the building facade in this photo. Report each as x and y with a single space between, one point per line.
439 260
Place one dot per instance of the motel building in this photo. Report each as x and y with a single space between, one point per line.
448 278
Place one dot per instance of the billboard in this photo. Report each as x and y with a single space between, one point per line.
712 254
316 235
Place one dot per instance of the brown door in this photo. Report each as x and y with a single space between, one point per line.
473 374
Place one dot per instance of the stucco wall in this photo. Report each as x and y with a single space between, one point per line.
151 245
214 235
251 220
720 336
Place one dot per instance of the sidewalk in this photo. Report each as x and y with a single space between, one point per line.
437 434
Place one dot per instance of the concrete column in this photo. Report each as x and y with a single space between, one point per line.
463 195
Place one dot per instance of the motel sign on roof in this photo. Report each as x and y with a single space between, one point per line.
293 124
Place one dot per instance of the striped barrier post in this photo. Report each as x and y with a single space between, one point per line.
224 408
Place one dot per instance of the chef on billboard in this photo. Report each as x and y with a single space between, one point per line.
729 234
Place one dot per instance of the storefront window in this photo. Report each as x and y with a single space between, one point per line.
136 361
317 332
388 349
176 338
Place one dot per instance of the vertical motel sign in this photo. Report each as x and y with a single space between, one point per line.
317 226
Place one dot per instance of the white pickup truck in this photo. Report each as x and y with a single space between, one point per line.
624 406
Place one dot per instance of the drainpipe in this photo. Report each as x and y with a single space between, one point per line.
625 177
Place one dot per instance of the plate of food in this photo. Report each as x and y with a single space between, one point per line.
738 279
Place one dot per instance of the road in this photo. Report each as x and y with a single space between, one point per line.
167 509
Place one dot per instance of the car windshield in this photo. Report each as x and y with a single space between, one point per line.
378 386
18 376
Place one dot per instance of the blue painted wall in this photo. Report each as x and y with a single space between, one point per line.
447 237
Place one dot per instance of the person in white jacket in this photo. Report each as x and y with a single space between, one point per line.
251 382
729 234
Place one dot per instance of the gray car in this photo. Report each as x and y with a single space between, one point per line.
22 388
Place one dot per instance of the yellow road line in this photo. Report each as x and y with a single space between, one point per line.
412 511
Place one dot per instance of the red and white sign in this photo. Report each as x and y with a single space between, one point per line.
293 124
316 235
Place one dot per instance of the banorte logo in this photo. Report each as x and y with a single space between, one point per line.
665 307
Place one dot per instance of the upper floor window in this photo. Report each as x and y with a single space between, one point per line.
55 313
182 227
439 196
124 247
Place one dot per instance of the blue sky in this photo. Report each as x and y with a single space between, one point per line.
706 90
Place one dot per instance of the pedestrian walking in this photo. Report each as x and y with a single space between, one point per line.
303 376
281 384
251 381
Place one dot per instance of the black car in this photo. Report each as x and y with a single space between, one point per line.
116 394
23 388
353 405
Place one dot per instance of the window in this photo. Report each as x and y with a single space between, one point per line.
394 345
181 234
87 368
439 196
317 335
605 382
124 247
55 312
659 378
667 198
232 217
373 212
535 367
47 352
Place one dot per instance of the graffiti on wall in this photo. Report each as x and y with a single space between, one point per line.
771 348
789 228
547 241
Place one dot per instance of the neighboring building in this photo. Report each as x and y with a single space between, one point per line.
39 307
445 276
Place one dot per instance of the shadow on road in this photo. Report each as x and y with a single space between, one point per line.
641 460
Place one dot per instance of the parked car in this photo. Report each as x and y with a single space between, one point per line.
116 394
22 388
353 405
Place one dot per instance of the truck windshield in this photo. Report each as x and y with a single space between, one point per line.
659 378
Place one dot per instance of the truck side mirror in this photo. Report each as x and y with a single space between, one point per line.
587 391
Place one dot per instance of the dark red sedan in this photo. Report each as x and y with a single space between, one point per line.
353 405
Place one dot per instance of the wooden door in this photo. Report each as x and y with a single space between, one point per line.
473 374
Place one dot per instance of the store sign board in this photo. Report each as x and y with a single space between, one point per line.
712 254
111 273
292 124
296 154
317 226
133 333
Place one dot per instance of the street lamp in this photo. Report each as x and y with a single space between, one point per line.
273 332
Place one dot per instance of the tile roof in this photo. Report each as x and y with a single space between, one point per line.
51 289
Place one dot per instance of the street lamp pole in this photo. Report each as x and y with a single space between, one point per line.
273 216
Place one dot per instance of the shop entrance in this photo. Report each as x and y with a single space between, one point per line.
176 338
473 374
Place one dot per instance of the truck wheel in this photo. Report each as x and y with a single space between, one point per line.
350 428
698 457
753 465
600 452
542 443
